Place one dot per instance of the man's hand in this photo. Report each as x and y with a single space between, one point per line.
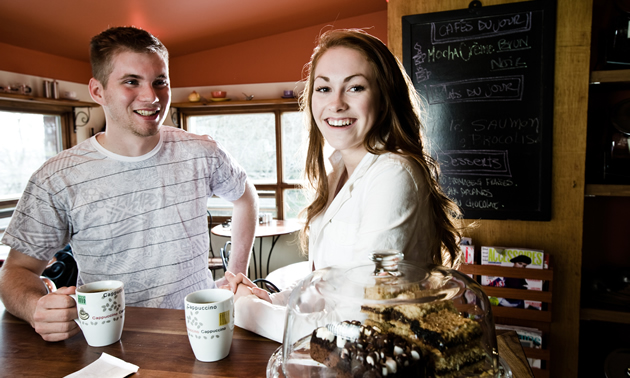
221 282
24 295
240 285
54 315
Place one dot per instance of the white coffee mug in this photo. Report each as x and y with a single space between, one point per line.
101 311
210 323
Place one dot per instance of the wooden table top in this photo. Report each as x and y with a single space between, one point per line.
154 339
273 228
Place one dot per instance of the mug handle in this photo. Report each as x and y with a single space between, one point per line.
76 301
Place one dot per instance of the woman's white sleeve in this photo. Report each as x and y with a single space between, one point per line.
261 317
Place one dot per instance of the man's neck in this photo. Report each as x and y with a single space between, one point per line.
131 146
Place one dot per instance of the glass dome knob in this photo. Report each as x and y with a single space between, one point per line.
386 262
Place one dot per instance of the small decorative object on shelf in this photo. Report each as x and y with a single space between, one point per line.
219 94
55 89
47 88
20 89
194 97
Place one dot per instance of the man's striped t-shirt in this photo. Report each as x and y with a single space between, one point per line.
141 220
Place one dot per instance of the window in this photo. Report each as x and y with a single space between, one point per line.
26 141
29 135
268 141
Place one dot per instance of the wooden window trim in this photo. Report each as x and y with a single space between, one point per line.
68 137
66 114
277 109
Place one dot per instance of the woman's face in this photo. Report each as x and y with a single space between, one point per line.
345 99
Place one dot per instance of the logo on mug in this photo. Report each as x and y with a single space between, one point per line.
224 318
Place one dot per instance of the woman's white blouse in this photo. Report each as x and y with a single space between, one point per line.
383 205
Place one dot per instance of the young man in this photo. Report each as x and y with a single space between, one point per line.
131 201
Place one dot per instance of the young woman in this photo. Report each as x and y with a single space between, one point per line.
381 191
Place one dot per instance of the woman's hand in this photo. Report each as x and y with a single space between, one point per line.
240 285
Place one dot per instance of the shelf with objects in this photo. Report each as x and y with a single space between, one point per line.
76 112
48 101
521 317
180 110
605 286
205 103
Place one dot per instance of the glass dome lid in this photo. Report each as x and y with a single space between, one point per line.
388 318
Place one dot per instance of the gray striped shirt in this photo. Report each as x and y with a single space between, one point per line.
141 220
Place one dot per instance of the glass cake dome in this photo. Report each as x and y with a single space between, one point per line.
388 318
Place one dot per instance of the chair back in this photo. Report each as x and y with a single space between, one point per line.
225 254
62 269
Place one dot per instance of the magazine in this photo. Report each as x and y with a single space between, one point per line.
514 257
468 255
529 338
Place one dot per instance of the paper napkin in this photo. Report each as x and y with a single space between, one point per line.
106 366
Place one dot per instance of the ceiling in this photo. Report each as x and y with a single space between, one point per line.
65 27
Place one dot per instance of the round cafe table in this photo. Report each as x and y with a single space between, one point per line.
274 230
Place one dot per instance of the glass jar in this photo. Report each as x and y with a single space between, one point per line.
388 317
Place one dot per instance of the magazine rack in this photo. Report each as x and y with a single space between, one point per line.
517 316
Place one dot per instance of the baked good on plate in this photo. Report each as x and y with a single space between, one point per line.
451 342
356 350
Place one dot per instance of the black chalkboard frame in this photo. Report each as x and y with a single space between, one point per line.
545 80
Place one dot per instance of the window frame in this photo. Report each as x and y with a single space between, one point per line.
68 137
277 108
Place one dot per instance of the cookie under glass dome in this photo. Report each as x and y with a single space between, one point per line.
388 318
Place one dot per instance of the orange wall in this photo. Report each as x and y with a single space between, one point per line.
278 58
263 60
31 62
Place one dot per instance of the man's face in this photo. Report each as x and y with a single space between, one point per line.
138 93
520 265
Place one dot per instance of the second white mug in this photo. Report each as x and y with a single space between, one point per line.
210 323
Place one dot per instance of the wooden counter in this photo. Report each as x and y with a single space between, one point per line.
153 339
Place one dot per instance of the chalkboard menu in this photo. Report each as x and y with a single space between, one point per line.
486 78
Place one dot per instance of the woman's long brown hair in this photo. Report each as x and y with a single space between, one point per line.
397 130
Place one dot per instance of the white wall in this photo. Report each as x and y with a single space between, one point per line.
97 118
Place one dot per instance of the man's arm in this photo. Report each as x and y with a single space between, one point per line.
244 220
24 295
